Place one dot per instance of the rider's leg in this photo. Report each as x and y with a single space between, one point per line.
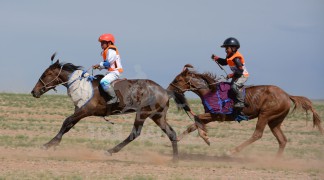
106 85
236 86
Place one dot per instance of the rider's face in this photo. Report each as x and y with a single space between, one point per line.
104 45
228 50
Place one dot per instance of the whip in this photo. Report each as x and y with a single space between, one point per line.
221 68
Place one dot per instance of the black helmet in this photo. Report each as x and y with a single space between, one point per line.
231 42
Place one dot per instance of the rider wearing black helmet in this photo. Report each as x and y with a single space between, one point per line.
235 61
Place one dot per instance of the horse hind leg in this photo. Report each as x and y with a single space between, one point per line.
136 131
275 127
160 120
257 134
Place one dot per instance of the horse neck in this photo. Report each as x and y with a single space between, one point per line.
64 77
201 92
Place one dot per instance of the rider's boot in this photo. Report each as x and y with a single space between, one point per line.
112 95
113 99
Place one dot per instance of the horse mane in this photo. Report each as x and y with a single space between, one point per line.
66 66
211 80
208 77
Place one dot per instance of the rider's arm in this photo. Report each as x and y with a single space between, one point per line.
110 59
222 61
239 66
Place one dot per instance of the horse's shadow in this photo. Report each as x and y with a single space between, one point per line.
209 158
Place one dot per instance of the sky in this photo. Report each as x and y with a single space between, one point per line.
281 41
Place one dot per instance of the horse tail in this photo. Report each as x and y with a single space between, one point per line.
180 100
305 104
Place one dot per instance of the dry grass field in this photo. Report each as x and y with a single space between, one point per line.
27 123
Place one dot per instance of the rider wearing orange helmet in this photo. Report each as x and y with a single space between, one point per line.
235 61
111 62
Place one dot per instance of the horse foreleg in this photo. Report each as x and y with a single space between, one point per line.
136 131
66 126
190 129
202 133
200 123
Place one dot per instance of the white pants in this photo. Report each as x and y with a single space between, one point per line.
110 77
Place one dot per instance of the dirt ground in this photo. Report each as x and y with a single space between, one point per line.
81 154
84 163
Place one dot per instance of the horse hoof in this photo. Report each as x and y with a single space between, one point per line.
109 152
44 147
207 142
175 160
228 154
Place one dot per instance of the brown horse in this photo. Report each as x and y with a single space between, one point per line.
145 97
268 103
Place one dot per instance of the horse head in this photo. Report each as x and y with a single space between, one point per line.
190 80
53 76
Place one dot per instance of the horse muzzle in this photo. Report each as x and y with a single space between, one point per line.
37 94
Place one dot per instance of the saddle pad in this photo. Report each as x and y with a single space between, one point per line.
218 102
79 89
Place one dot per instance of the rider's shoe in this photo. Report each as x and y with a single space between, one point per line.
112 95
239 105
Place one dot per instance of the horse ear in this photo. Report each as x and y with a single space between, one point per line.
57 61
189 66
53 56
185 71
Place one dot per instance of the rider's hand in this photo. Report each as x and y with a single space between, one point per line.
214 57
229 76
97 66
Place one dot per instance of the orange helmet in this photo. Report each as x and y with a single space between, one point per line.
107 37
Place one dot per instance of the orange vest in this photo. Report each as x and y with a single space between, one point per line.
116 64
232 65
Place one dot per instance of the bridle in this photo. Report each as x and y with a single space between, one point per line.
190 86
46 85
